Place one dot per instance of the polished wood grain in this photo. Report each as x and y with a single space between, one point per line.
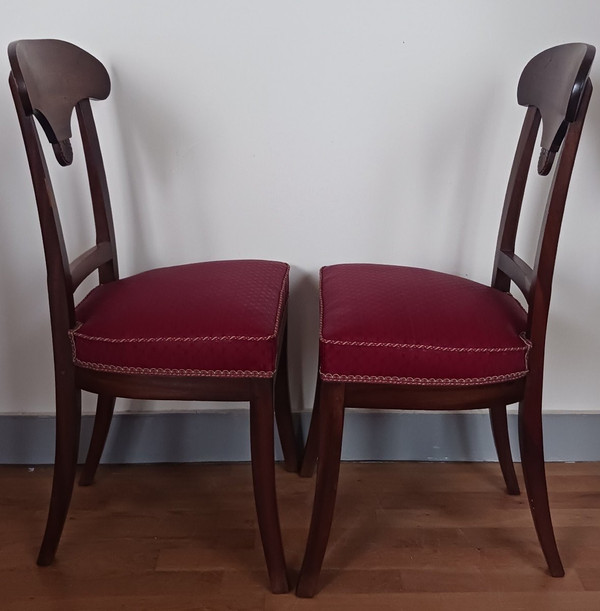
410 536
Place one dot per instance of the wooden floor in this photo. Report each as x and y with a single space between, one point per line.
431 536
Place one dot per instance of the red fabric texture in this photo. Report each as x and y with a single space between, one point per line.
220 318
402 325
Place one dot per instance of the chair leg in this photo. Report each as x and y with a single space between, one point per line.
534 472
311 449
68 421
104 412
283 413
262 445
502 442
331 423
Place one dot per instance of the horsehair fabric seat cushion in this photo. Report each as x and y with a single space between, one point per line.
220 318
401 325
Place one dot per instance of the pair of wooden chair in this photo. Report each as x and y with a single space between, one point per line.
390 337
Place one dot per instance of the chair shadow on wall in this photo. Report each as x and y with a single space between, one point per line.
304 330
460 171
141 140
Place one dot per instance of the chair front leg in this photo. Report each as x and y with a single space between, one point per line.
499 423
330 427
104 413
534 472
68 421
263 474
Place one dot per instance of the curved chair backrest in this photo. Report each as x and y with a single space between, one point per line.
553 82
52 77
556 89
48 79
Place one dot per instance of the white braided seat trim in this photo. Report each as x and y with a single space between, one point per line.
189 373
336 377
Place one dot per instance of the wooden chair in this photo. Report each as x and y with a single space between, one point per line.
213 331
407 338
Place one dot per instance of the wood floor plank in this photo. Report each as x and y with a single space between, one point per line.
487 601
419 536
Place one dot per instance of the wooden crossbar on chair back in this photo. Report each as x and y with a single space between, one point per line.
48 79
556 89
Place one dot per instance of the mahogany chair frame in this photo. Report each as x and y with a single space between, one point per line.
325 434
77 77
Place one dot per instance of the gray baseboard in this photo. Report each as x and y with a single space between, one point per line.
223 436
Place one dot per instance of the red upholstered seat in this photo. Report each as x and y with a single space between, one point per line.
218 318
402 325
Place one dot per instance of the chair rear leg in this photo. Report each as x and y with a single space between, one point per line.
502 442
104 413
311 449
283 413
262 445
534 472
68 421
331 423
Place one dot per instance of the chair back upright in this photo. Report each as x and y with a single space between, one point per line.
556 89
48 79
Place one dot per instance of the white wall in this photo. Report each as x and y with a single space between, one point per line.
314 132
